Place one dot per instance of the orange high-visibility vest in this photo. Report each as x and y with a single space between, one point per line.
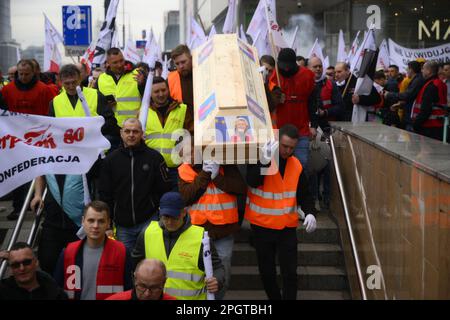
274 204
214 205
436 119
175 86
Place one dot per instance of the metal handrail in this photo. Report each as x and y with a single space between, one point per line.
37 221
349 223
19 224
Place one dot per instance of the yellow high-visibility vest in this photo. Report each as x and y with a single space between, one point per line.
126 93
185 281
63 107
159 138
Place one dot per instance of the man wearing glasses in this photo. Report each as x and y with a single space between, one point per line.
26 282
149 280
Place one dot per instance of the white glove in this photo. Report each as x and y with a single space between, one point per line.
211 166
310 223
269 149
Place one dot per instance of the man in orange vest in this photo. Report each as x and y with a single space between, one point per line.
272 204
180 81
97 267
211 192
428 109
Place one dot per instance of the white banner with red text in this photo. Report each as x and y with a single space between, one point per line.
31 146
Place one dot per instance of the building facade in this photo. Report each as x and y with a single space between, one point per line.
8 47
410 23
171 30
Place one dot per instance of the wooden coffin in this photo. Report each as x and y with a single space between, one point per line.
231 112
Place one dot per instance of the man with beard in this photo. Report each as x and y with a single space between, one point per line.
180 81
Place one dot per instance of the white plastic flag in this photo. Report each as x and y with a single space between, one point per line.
242 35
88 56
52 57
130 53
207 261
353 48
325 63
383 56
341 54
229 25
165 71
259 20
198 36
152 52
294 37
212 32
105 36
262 44
274 28
316 51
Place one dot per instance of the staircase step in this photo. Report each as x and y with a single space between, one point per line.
309 278
326 232
309 254
301 295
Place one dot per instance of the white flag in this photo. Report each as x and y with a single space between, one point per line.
106 34
131 53
367 44
341 54
262 44
383 56
326 63
353 48
52 57
165 71
230 20
294 37
46 145
88 56
242 35
274 29
152 52
198 36
212 32
18 54
259 19
316 51
115 39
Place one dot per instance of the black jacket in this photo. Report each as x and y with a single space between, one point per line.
372 99
170 238
411 92
131 182
47 290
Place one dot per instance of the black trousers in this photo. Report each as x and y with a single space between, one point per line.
19 194
51 243
268 244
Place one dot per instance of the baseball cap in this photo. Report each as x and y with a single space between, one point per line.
171 204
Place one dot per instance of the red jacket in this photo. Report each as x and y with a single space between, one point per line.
110 273
33 101
127 295
297 89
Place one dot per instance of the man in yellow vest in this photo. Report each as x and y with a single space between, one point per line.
180 81
210 191
178 243
165 117
272 204
122 86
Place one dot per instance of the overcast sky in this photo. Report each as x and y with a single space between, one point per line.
27 20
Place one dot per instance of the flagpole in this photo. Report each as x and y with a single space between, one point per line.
272 45
359 57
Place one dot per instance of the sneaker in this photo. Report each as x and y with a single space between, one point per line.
13 216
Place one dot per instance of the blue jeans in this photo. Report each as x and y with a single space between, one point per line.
301 151
128 236
224 247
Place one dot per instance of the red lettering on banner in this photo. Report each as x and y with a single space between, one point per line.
71 136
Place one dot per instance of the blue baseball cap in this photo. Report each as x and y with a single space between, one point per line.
171 204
